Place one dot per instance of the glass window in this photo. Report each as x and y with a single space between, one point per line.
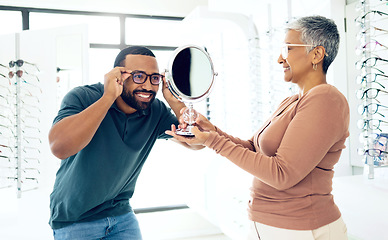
163 58
102 29
11 22
141 31
100 63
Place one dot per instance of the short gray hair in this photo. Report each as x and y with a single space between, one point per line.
318 31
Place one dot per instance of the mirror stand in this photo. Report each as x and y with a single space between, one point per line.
189 116
190 77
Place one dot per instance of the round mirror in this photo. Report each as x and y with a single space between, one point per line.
190 76
190 73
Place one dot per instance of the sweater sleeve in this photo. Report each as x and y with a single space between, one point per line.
321 120
245 143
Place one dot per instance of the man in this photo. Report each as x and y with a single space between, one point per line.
104 134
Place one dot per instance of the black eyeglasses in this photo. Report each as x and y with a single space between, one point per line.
371 108
370 93
366 84
20 63
140 77
372 124
376 153
362 18
369 62
371 77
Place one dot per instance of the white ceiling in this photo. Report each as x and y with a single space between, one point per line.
178 8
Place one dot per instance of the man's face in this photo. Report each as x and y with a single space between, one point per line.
139 96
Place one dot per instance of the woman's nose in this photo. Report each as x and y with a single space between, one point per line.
280 59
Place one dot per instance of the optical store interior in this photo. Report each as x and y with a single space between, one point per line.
49 47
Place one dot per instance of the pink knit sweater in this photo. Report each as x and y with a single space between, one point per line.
292 158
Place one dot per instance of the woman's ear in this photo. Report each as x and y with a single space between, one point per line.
319 54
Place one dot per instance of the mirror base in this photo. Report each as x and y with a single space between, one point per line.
184 132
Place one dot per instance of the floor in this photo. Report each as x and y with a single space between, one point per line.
27 217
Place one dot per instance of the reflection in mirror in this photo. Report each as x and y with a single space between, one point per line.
190 77
192 73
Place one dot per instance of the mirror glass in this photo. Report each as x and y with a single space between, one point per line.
190 76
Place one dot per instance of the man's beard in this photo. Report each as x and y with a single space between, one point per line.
130 99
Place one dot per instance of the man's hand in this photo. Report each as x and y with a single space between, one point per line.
174 103
113 82
167 93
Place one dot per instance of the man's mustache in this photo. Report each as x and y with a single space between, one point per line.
144 91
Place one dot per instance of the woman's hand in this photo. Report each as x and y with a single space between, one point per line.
201 122
199 137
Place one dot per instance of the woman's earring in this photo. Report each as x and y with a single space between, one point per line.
315 67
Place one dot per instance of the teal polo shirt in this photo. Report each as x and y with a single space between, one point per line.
99 180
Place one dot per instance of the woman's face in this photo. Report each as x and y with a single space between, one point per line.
298 62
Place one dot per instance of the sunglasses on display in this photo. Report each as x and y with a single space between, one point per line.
20 63
18 73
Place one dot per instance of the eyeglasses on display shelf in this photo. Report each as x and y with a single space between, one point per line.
361 19
376 150
371 77
372 37
373 46
372 124
378 157
20 119
370 93
20 63
369 62
372 108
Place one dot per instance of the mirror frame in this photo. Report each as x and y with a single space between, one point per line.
170 81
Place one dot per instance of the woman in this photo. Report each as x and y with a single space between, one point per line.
292 156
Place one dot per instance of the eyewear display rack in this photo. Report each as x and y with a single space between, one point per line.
372 80
20 140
